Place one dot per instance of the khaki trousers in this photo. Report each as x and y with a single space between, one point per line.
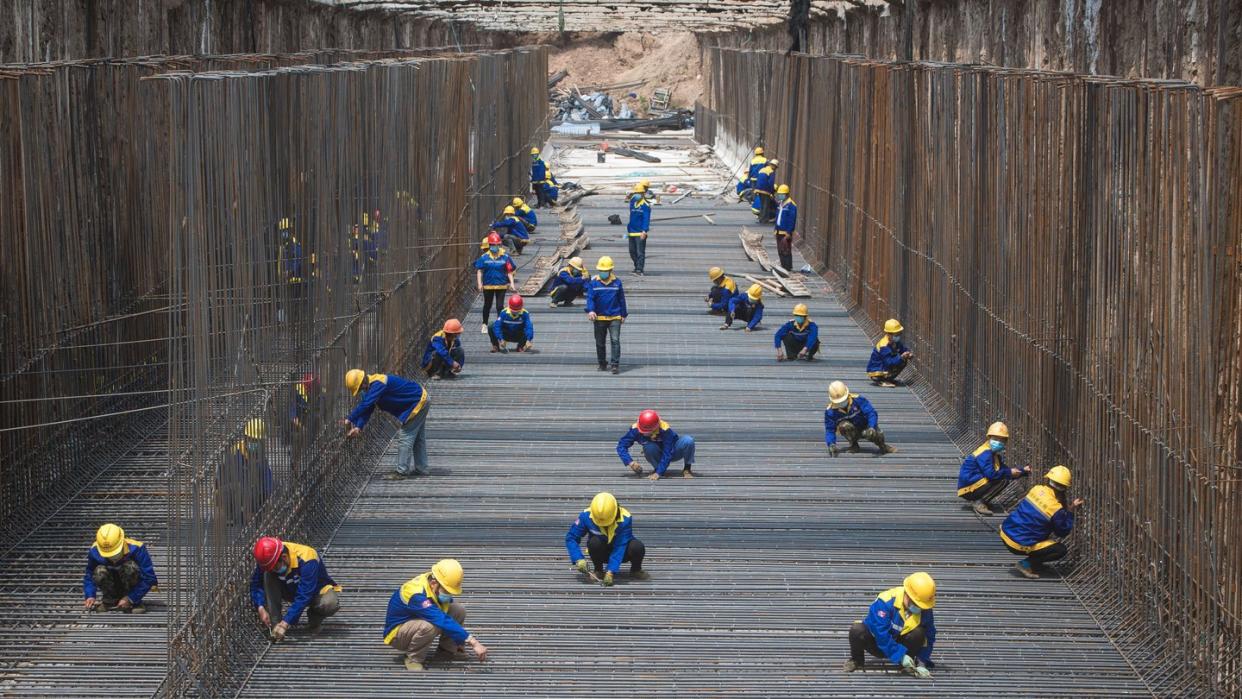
415 636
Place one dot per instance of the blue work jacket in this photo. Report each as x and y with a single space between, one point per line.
664 437
401 398
538 171
886 356
858 411
1036 519
307 576
528 216
807 333
621 537
573 278
414 600
509 325
606 299
135 551
640 218
742 301
786 217
441 345
980 467
513 225
496 268
887 622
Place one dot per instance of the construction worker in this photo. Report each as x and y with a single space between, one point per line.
638 228
852 416
245 479
661 446
291 269
444 357
746 186
513 325
605 307
889 357
983 474
1041 515
542 181
797 338
423 609
722 291
404 400
899 628
119 573
293 573
763 204
609 529
527 214
512 230
786 221
494 276
569 284
747 307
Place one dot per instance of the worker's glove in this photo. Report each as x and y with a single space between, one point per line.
278 631
608 579
868 433
922 673
833 450
581 565
907 663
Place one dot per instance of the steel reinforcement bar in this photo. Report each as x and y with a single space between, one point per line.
1066 255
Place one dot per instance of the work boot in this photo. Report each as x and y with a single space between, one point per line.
137 609
1025 569
616 369
413 665
854 448
640 575
686 473
981 508
851 666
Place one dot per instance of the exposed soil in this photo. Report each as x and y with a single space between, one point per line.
662 60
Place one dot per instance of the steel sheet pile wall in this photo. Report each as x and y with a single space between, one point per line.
377 168
1065 254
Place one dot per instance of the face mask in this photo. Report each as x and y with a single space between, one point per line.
896 338
996 445
494 248
444 598
913 610
282 569
780 197
605 275
797 320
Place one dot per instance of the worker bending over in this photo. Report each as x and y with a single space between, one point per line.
424 609
638 227
404 400
119 573
569 284
513 325
983 474
899 628
852 416
609 529
786 221
1041 515
444 357
747 307
661 446
889 357
293 573
797 338
542 182
763 204
745 188
723 290
494 276
605 308
527 214
512 230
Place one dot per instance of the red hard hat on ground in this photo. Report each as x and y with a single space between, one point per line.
267 552
493 238
648 420
515 302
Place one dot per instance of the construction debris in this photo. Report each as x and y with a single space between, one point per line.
752 245
544 267
631 153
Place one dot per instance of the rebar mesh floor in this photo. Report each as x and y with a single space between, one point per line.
759 565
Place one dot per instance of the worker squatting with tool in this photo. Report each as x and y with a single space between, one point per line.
797 338
983 474
851 415
569 284
286 572
119 573
424 609
747 307
723 290
444 357
661 446
513 325
899 627
609 531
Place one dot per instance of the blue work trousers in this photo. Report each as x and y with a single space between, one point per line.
412 445
683 450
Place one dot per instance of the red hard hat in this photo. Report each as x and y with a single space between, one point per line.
515 302
493 238
648 420
267 552
452 326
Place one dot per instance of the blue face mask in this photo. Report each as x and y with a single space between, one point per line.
494 248
282 569
797 320
605 275
896 338
444 598
996 445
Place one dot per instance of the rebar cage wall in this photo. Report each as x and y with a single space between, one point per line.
1066 255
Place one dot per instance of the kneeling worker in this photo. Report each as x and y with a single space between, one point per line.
889 357
723 290
610 531
569 284
513 325
899 627
983 474
661 446
444 357
293 573
1042 514
747 307
852 416
423 609
797 338
119 570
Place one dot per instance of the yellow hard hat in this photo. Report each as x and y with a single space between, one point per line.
353 380
783 189
509 210
110 540
758 150
715 273
517 201
256 428
800 310
644 183
534 151
755 292
998 429
892 326
838 393
575 262
448 573
1060 475
921 588
604 264
604 509
638 189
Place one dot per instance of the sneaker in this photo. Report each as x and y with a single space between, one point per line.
725 326
483 328
603 367
851 666
616 369
395 476
686 473
414 665
981 508
138 609
1025 569
888 449
551 304
886 384
640 575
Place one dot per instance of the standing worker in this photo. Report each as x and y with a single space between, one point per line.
899 628
494 276
512 230
722 291
569 284
983 474
745 188
542 181
609 529
293 573
423 609
852 416
513 325
605 307
443 358
786 221
404 400
763 204
747 307
119 573
661 446
1042 514
638 227
527 214
889 357
797 338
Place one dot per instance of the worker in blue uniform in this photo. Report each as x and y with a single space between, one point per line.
513 325
983 474
569 284
723 290
424 609
746 307
745 188
444 357
797 338
527 214
763 204
512 230
244 480
786 223
1044 513
293 573
542 181
661 446
852 416
890 356
899 628
494 276
609 530
403 399
119 573
605 308
638 227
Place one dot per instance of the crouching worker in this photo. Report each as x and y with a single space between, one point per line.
444 357
423 609
723 290
119 573
513 325
983 474
890 356
747 307
661 446
798 338
1042 514
569 284
852 416
293 573
899 627
609 529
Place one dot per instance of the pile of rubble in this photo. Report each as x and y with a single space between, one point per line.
590 111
